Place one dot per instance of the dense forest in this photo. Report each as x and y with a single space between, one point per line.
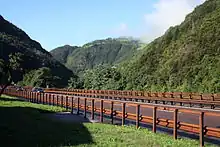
185 58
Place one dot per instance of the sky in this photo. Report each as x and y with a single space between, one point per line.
54 23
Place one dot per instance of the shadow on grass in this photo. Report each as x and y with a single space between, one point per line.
26 126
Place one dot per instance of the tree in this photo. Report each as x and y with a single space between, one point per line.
41 77
103 77
75 82
9 69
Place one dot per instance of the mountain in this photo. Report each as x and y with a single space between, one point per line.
14 40
61 53
185 58
107 51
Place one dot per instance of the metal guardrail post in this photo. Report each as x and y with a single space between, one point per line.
137 116
123 114
53 99
49 99
112 111
46 95
85 108
71 105
154 119
57 100
175 123
78 102
36 97
40 98
66 103
31 96
43 95
201 129
61 100
101 111
92 111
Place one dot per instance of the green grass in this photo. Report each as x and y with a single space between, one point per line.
24 124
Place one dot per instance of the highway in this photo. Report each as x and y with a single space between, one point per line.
210 121
202 121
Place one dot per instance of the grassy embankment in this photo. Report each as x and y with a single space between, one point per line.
25 124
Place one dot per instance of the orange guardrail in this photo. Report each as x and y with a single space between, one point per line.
212 100
108 107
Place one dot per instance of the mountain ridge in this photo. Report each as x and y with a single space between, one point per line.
13 40
104 51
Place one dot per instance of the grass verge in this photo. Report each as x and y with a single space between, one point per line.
24 124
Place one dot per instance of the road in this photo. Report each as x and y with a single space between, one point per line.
210 121
188 121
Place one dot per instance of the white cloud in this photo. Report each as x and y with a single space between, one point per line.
121 30
166 13
123 27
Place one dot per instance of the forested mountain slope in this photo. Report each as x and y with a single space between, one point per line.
185 58
109 51
14 40
61 53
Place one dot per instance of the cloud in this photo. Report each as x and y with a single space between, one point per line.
123 27
121 30
166 13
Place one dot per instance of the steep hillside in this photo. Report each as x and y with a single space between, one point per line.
109 51
185 58
13 39
61 53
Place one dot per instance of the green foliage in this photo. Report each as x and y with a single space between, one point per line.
15 61
8 69
41 77
75 82
185 58
103 77
61 53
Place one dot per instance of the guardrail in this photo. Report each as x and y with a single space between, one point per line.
181 95
173 98
210 100
110 107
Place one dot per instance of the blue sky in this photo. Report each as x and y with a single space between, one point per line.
58 22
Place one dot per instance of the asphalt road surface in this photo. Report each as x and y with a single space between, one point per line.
210 121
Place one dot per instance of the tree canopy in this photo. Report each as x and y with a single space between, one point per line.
41 77
8 70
